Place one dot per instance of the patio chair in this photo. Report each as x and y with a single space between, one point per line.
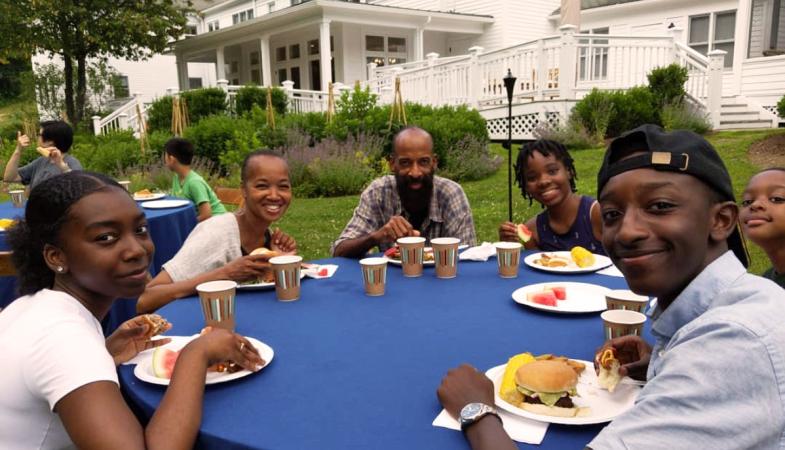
7 268
230 196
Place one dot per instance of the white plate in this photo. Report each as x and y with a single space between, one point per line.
581 297
600 262
163 204
603 406
270 285
144 370
155 196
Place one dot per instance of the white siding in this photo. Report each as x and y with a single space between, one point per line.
763 79
757 28
433 5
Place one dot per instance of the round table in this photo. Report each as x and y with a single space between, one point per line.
168 229
352 371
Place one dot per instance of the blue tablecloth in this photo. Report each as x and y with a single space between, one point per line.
352 371
168 229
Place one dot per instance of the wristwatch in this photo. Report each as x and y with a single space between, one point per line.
473 412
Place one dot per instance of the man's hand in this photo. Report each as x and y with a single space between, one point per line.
397 227
22 141
464 385
633 354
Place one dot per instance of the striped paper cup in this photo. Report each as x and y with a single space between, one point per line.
217 300
374 275
286 270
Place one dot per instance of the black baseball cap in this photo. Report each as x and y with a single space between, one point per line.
678 151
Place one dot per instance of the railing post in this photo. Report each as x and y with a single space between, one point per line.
171 91
567 62
541 74
122 121
371 71
677 34
288 88
475 77
97 125
714 100
223 84
433 92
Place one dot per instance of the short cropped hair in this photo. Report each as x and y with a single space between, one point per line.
59 133
181 149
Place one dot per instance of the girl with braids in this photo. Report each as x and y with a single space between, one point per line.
763 218
545 172
83 243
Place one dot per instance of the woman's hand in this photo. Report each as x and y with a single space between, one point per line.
220 346
464 385
508 232
249 267
132 337
283 243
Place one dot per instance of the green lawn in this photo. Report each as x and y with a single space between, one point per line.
316 222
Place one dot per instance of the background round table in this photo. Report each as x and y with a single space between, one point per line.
168 229
352 371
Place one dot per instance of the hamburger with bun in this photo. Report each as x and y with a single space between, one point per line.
264 251
547 387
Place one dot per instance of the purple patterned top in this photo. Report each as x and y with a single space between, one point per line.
579 234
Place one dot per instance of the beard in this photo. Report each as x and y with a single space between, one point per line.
415 200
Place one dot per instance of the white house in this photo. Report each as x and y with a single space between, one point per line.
457 51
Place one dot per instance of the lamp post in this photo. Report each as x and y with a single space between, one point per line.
509 84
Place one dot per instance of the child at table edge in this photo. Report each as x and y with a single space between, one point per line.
187 183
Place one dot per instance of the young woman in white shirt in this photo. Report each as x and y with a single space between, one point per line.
83 243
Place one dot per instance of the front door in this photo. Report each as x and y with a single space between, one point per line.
316 75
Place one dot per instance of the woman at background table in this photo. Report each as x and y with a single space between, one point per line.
59 382
545 172
55 139
763 218
220 248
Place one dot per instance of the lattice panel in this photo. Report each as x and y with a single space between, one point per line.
522 125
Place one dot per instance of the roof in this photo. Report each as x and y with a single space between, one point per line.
201 5
591 4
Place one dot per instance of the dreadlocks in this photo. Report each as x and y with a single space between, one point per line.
545 148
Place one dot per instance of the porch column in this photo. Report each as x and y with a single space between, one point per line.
741 47
325 57
714 101
419 43
220 65
267 77
567 62
182 72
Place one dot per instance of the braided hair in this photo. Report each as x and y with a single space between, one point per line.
47 210
546 148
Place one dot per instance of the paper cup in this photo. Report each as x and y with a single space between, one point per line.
374 275
508 257
286 270
620 322
627 300
412 255
445 256
17 198
126 184
217 299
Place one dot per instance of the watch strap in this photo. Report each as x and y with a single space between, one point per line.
484 410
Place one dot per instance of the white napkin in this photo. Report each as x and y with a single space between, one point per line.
611 271
479 253
519 428
314 271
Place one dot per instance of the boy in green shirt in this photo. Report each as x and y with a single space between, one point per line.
178 154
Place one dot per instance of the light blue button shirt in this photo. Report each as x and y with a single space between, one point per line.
717 370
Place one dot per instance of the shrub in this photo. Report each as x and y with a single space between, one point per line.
632 108
572 135
110 154
449 125
685 117
667 84
159 114
312 124
781 107
216 135
204 102
470 160
250 95
595 112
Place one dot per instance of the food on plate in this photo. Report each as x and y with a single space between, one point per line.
508 390
395 253
144 193
163 362
45 152
547 298
577 366
6 223
547 387
156 323
550 260
609 365
268 276
524 234
559 291
582 257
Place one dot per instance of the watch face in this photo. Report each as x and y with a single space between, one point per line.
471 409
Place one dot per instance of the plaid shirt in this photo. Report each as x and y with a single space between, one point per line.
449 214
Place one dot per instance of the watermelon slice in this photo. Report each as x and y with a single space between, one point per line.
559 291
163 362
547 298
524 234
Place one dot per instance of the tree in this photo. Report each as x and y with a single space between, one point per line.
77 30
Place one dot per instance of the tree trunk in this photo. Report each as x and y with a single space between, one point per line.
68 71
81 88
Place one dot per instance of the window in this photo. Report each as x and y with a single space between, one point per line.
280 54
194 83
767 28
254 57
235 81
385 50
121 89
235 67
213 26
256 78
294 51
593 57
313 47
270 7
190 30
242 16
281 75
295 76
714 31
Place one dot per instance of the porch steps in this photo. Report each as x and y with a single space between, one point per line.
736 113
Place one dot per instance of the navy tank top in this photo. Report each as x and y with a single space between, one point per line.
579 234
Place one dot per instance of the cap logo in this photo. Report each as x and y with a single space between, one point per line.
664 158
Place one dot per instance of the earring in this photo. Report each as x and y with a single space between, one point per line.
60 269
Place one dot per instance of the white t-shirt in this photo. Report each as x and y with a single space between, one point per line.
50 345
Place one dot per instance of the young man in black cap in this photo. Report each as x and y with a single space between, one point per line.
716 374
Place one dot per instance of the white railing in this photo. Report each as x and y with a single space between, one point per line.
697 65
123 118
299 100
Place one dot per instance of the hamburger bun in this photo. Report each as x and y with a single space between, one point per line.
546 376
545 410
44 151
156 324
264 251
